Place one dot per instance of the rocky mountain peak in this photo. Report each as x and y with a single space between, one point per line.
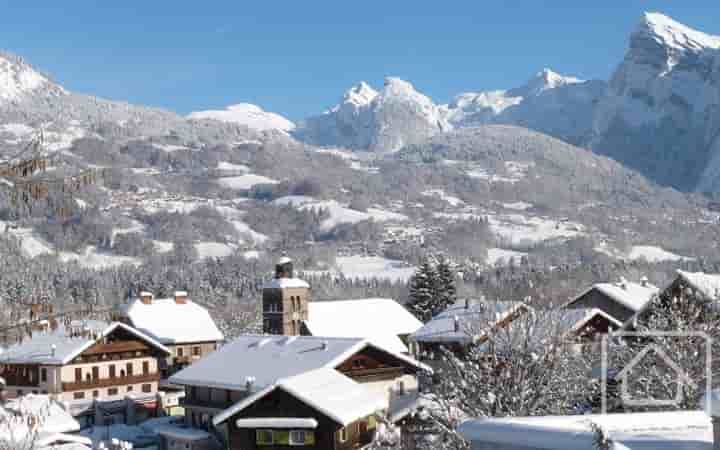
18 78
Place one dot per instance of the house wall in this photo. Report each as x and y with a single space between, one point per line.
281 404
596 299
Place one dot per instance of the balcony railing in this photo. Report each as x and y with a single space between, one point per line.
372 373
201 403
110 382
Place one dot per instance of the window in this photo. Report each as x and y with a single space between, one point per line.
342 434
112 370
19 392
302 437
147 388
112 391
95 373
180 352
264 437
129 369
43 375
281 437
79 395
78 375
146 367
196 351
96 393
129 388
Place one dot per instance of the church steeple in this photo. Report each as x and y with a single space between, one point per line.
285 301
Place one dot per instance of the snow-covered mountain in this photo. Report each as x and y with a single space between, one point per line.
551 103
246 114
661 112
382 121
18 80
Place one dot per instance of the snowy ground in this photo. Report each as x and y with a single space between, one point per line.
516 229
650 253
502 256
442 195
92 259
214 249
367 267
338 212
244 182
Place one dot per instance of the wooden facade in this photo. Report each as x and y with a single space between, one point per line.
328 435
116 364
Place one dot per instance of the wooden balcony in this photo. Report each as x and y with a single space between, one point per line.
380 373
110 382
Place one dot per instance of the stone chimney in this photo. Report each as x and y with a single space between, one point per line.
146 298
181 297
644 281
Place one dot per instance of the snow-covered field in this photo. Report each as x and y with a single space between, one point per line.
338 212
502 256
214 249
515 228
442 195
92 259
650 253
367 267
244 182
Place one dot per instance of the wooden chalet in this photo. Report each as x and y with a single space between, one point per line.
83 362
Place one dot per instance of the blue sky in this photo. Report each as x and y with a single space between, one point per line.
298 57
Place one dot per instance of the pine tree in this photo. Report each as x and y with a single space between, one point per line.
423 291
446 294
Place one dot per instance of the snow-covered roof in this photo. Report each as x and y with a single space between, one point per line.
326 390
277 422
283 283
266 359
182 433
684 430
633 296
57 347
54 421
707 284
170 322
474 320
381 320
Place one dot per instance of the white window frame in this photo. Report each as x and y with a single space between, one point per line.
298 443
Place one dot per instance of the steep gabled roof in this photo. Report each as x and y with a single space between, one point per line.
474 319
266 359
633 296
57 347
325 390
706 284
381 320
170 322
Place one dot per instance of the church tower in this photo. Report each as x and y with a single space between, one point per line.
285 301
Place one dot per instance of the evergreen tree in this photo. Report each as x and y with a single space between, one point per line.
446 294
423 292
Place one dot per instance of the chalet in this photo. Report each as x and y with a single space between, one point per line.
287 310
464 323
697 285
236 374
180 324
620 300
84 362
676 430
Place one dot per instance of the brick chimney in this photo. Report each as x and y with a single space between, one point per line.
146 298
181 297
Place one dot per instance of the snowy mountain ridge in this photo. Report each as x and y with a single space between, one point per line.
18 79
246 114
